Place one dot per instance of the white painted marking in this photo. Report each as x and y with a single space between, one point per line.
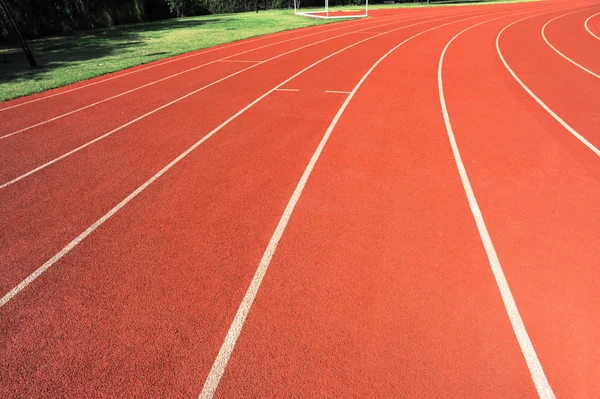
326 91
218 368
537 99
113 97
67 154
561 54
225 59
587 27
311 15
105 135
535 368
172 59
39 271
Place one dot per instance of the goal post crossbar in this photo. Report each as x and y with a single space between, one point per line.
324 14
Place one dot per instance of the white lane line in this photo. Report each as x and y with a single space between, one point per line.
324 91
168 61
225 59
587 27
537 99
105 135
561 54
112 98
533 363
69 153
218 368
50 262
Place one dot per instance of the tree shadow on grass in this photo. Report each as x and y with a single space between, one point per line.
124 43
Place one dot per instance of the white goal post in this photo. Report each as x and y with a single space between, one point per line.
326 14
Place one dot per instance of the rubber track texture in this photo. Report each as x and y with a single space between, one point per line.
535 183
96 314
380 286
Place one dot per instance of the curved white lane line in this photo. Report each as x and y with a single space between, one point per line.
67 248
533 363
105 135
537 99
218 368
588 28
558 52
189 70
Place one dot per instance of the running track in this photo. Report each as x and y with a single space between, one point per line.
402 206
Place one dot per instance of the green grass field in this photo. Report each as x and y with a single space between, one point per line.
72 58
67 59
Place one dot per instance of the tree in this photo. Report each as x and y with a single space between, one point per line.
177 7
13 24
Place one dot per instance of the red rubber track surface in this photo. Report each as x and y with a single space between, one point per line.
380 285
92 181
403 311
536 185
578 44
573 93
594 25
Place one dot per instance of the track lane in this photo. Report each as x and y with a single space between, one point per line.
138 308
19 155
592 25
533 364
535 184
567 35
565 89
346 309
